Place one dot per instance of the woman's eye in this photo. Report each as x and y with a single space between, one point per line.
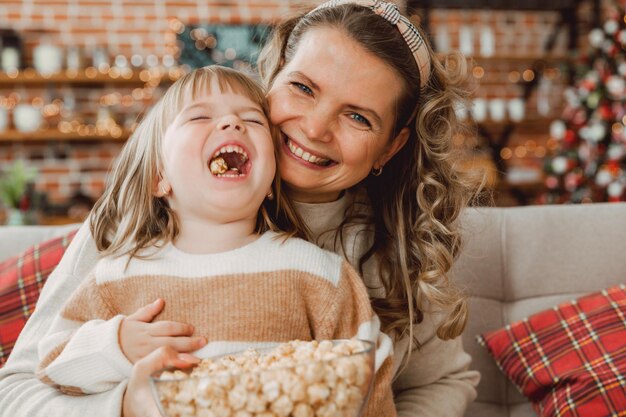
360 119
259 122
303 88
199 118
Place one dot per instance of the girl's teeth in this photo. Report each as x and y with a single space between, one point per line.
230 148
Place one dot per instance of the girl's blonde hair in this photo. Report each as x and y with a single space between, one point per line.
128 217
419 196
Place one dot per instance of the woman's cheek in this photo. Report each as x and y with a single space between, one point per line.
283 106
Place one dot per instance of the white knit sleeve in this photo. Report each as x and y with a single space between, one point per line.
80 353
21 393
84 360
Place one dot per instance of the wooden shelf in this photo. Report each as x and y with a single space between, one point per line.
57 220
82 77
536 125
530 186
522 59
53 134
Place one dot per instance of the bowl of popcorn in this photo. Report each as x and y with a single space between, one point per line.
295 379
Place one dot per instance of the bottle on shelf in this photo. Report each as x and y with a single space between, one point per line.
11 51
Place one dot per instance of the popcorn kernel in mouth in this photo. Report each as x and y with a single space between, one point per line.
229 163
218 166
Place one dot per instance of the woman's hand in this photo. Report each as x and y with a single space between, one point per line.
138 398
139 336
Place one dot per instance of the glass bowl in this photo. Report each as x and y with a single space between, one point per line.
329 378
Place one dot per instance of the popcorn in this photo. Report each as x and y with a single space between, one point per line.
295 379
218 166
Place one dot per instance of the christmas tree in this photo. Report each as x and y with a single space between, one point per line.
588 163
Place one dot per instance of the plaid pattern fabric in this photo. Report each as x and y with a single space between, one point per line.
569 361
21 280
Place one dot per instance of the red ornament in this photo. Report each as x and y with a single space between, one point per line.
552 182
588 84
579 118
570 137
605 112
613 167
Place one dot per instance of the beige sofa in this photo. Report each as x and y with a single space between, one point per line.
516 261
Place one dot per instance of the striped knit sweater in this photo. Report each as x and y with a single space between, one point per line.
265 292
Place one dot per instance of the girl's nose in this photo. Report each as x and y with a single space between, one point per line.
231 122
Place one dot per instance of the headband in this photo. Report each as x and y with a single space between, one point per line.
391 13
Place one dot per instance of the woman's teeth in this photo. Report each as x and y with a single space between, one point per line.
302 154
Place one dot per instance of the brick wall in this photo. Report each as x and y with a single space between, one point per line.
142 27
145 27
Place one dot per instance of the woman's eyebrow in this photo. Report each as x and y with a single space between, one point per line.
307 79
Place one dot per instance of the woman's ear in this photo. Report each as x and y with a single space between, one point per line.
393 147
163 188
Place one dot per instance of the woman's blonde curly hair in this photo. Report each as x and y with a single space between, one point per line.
418 198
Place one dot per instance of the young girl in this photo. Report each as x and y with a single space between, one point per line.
185 220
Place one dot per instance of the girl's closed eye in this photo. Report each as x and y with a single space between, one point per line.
255 121
194 118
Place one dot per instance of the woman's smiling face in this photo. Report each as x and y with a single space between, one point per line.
334 103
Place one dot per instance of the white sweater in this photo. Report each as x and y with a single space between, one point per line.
266 292
436 383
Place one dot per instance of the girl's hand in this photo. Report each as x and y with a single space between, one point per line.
139 336
138 398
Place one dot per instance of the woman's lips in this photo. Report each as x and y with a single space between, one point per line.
296 151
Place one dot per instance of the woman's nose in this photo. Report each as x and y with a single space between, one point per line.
316 126
231 122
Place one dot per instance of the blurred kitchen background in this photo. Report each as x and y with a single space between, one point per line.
546 121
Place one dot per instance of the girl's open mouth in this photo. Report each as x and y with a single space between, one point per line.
306 156
229 161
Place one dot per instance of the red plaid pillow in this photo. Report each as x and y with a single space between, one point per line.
21 280
570 360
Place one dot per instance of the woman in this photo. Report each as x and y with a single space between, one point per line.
366 114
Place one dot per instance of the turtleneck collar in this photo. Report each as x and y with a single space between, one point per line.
322 217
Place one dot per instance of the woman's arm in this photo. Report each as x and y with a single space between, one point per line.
80 354
437 381
21 393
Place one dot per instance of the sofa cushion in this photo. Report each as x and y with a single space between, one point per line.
568 360
21 279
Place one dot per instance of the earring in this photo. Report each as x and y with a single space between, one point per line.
377 171
270 195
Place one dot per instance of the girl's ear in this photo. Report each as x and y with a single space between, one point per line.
392 148
163 188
